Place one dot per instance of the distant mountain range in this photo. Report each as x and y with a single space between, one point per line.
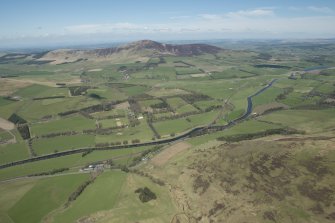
139 50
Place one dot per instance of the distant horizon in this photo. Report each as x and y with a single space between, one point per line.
116 43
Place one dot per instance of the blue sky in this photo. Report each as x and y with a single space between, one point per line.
43 22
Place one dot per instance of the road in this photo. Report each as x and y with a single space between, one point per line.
195 131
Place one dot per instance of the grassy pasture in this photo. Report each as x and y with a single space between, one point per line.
36 90
35 110
269 96
7 110
113 94
162 92
134 90
71 123
62 143
187 70
165 128
97 197
146 104
206 104
296 99
159 73
176 103
311 121
105 114
4 101
129 208
107 123
46 195
13 152
141 132
11 193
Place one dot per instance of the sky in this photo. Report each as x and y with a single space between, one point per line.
57 22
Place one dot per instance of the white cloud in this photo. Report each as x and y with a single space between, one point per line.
210 16
181 17
320 9
252 13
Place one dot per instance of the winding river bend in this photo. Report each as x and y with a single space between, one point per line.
195 131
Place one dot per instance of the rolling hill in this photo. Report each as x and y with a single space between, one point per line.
139 50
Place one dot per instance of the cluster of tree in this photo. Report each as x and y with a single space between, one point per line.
213 107
30 146
86 115
16 119
149 121
50 97
183 62
144 154
162 105
7 75
119 85
194 97
111 117
102 131
124 168
55 134
116 143
135 141
129 70
99 107
70 112
248 136
134 106
133 121
92 109
150 64
153 179
78 90
24 131
145 194
78 191
46 117
286 92
95 96
51 172
102 145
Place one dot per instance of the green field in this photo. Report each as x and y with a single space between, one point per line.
62 143
311 121
141 132
72 123
12 152
39 196
165 128
97 197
